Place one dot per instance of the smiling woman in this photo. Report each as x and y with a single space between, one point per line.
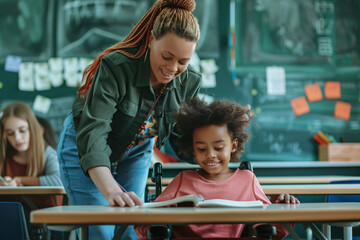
127 98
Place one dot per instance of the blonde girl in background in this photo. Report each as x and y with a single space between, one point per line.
25 158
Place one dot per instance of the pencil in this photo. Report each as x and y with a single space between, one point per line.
323 137
2 179
319 140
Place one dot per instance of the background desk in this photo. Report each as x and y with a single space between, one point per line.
281 168
32 190
312 189
302 189
27 191
285 179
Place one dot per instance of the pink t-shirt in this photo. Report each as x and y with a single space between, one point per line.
241 186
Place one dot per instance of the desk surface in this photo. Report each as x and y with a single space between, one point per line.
312 189
286 179
302 189
272 164
304 212
32 190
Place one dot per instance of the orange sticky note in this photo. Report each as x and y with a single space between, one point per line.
342 110
300 106
313 92
332 90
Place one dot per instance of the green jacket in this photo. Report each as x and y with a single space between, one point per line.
118 102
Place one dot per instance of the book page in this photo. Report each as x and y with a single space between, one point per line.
229 203
195 199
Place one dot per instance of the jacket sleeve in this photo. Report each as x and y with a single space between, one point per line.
97 114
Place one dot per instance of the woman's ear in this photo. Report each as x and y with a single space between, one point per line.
235 143
151 38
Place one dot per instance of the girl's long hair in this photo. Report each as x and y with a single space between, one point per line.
36 150
164 16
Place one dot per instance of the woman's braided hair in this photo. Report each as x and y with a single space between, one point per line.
174 16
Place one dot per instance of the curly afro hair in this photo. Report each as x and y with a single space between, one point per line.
197 113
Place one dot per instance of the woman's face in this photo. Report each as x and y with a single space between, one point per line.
169 56
17 133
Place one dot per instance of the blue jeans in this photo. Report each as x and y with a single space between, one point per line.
132 173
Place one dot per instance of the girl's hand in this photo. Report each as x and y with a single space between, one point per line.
284 198
18 181
123 199
11 181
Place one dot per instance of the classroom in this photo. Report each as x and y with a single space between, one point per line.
296 63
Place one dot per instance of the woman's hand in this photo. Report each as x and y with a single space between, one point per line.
123 199
284 198
111 190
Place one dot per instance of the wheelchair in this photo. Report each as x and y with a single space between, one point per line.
163 232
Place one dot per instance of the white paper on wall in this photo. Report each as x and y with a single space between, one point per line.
275 80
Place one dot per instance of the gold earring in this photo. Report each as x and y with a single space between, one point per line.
183 84
146 53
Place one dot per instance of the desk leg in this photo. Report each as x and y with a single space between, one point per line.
347 233
291 231
84 232
120 232
317 232
29 202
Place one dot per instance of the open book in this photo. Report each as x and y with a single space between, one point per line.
198 201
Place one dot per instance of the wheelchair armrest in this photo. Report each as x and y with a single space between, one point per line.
266 231
156 177
246 165
263 231
159 232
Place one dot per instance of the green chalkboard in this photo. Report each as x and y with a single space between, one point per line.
315 42
85 28
322 35
278 134
26 29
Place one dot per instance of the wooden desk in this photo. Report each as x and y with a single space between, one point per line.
32 190
280 168
27 191
302 189
285 179
92 215
311 189
303 212
304 179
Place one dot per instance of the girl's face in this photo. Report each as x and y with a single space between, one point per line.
212 146
169 56
17 133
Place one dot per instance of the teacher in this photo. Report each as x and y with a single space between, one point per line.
128 97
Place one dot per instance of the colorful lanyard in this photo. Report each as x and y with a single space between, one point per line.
116 163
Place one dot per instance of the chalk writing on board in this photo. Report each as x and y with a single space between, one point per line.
85 28
25 29
299 32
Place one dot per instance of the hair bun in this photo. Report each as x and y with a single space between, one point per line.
188 5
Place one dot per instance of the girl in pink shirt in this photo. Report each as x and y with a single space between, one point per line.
215 135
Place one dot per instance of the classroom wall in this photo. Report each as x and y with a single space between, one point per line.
67 29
